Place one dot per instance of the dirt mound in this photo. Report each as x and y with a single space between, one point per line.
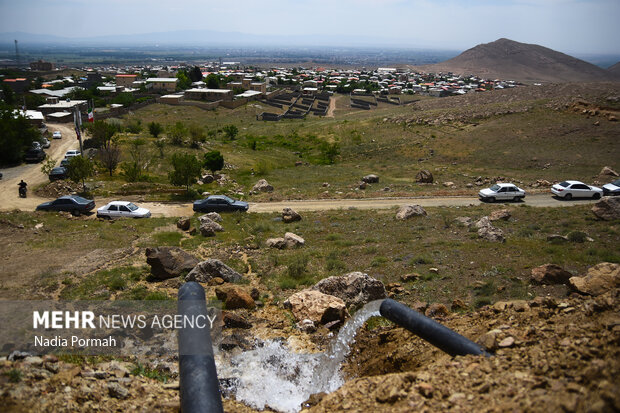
58 188
551 356
507 59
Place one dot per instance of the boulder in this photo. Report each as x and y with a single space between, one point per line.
437 310
598 280
608 171
262 186
557 238
208 228
483 222
278 243
362 185
316 306
464 221
491 233
550 274
354 288
449 184
232 320
213 216
607 208
207 179
210 269
293 240
498 214
424 177
290 215
371 179
410 211
307 326
184 224
169 262
414 276
234 297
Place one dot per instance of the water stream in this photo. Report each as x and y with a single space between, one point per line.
271 375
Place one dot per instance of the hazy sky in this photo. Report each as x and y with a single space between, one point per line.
571 26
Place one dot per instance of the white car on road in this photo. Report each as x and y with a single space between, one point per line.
576 189
119 209
71 153
57 135
501 192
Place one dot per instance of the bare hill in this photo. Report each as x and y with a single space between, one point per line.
615 69
507 59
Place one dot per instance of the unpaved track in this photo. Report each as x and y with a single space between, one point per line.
31 173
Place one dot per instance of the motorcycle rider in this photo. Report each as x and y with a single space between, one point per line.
22 188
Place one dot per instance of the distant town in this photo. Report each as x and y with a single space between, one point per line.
55 94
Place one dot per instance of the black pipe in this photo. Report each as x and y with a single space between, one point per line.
438 335
200 390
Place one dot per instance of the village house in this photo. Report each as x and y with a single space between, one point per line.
125 80
41 66
210 95
167 84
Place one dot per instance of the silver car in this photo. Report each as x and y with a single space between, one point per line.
502 192
576 189
120 209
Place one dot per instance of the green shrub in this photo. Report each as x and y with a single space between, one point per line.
297 266
577 236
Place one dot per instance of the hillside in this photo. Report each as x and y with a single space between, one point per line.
615 69
507 59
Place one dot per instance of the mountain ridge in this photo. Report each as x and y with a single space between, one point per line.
509 59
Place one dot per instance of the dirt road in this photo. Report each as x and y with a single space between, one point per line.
31 173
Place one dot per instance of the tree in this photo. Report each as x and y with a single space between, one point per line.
110 155
195 74
184 80
48 165
213 81
230 131
8 94
213 161
160 144
80 168
155 129
329 152
135 170
186 169
16 136
177 133
101 132
125 99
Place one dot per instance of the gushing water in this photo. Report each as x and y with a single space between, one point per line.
273 376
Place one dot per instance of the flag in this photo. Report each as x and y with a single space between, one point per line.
91 115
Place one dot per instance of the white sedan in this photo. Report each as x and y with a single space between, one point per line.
575 189
502 192
119 209
57 135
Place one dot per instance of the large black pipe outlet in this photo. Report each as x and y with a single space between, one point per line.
200 390
438 335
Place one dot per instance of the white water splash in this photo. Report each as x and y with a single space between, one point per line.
273 376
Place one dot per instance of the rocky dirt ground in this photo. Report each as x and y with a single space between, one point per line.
550 354
597 100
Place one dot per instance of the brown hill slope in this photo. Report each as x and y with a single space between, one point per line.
615 69
507 59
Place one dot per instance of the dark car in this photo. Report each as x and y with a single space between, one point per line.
65 162
220 203
34 155
57 173
70 203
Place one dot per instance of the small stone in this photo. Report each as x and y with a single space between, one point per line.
507 342
117 391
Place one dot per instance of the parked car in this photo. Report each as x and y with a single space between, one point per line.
34 155
45 143
0 175
576 189
119 209
220 203
612 188
65 162
36 145
57 135
71 153
70 203
59 172
501 192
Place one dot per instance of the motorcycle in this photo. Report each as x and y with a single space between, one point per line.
22 192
